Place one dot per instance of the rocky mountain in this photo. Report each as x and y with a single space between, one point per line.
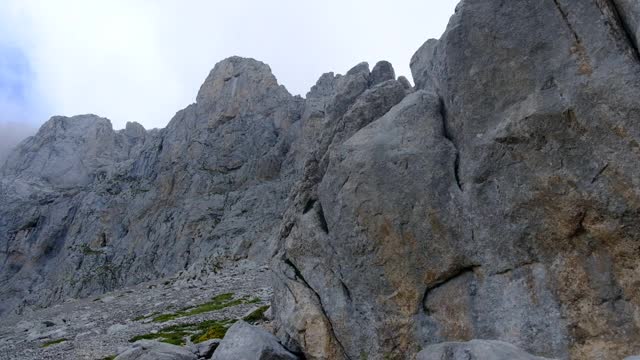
498 199
86 209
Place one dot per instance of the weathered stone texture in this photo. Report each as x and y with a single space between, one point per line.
497 199
475 350
248 342
86 209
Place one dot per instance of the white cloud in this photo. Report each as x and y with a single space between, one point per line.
142 60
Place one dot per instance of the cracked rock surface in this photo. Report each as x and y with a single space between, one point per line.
496 199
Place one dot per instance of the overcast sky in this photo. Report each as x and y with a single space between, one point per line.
143 60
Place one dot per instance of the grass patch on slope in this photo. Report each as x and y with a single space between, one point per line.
256 315
175 338
198 332
216 303
211 329
142 317
53 342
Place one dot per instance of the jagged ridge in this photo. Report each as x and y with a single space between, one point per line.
496 200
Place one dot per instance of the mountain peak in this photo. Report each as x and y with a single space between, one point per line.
239 86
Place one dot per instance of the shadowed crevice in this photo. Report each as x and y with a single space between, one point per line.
446 278
301 278
623 27
446 133
321 218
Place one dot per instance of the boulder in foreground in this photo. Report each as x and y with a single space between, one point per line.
154 350
247 342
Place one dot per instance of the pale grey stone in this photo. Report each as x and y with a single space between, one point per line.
475 350
155 350
405 82
382 72
247 342
116 328
498 201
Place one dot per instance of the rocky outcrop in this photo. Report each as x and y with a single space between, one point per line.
68 152
86 209
498 201
306 268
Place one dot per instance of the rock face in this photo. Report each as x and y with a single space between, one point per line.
497 199
85 209
67 152
474 350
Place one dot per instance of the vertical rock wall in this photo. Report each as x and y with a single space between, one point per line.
498 201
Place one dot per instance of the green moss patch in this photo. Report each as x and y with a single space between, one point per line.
198 332
142 317
53 342
217 303
256 315
211 329
110 357
85 249
169 337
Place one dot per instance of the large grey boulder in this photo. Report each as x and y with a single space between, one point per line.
154 350
248 342
475 350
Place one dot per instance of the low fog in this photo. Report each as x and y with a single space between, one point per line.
11 134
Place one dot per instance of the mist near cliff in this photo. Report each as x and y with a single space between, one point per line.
11 134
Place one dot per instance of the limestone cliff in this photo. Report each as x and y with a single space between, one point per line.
500 200
86 209
497 199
